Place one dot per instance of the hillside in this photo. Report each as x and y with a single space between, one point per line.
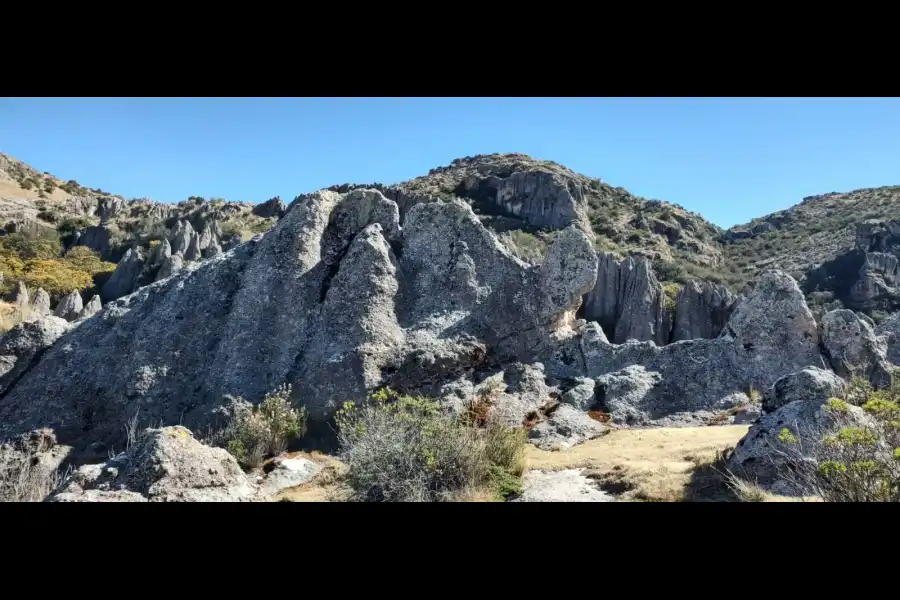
533 321
813 232
62 237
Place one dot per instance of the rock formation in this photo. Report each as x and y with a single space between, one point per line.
70 307
91 308
166 465
170 266
97 238
811 384
336 286
853 347
701 310
23 345
20 296
274 207
40 304
125 279
628 301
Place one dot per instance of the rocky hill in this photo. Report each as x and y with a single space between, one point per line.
526 300
61 237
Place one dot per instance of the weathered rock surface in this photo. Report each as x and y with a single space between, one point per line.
22 346
582 394
702 309
539 198
125 279
890 330
760 455
774 329
569 485
181 236
97 238
770 334
170 266
809 385
287 473
852 346
40 304
336 286
628 301
91 308
274 207
165 465
566 427
70 307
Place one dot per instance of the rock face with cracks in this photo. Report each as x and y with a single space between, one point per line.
336 299
853 347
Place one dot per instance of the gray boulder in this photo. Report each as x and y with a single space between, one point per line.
287 473
23 345
627 394
853 347
702 309
565 427
763 458
890 330
774 330
125 278
40 304
165 465
809 385
91 308
70 307
274 207
170 266
581 395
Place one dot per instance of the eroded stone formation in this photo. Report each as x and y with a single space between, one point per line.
341 298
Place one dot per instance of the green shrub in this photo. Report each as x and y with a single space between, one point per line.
257 432
405 449
671 295
853 457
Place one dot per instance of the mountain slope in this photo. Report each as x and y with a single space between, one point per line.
815 231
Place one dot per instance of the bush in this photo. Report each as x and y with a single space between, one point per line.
671 295
853 458
264 430
405 449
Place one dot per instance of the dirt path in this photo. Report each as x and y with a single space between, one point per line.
664 464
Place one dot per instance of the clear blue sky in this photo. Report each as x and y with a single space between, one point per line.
728 159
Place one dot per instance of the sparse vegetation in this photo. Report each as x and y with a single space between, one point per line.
267 429
855 455
404 448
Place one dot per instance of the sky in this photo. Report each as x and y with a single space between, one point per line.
729 159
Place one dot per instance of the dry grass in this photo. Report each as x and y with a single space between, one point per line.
657 465
24 480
